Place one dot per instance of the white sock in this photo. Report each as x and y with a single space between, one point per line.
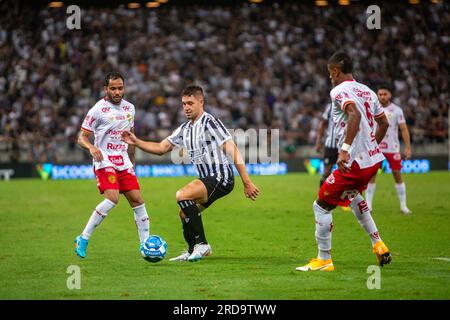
362 213
369 194
401 192
99 214
324 225
142 222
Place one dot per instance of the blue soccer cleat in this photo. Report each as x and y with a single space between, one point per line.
81 245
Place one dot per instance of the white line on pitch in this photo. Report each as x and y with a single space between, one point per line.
441 258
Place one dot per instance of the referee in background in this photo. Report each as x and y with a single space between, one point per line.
207 143
331 150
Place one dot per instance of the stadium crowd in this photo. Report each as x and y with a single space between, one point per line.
263 66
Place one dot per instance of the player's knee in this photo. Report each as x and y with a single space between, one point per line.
137 201
398 177
181 195
113 197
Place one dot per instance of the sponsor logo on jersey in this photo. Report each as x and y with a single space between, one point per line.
114 132
363 94
117 160
118 118
374 151
106 109
116 147
197 155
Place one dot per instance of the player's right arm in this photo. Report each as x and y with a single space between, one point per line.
83 141
158 148
383 125
406 139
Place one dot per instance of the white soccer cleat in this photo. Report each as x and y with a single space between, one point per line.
405 210
200 250
182 257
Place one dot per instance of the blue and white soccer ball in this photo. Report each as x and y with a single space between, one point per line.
153 248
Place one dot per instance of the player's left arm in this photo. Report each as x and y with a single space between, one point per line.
406 139
353 120
131 151
250 190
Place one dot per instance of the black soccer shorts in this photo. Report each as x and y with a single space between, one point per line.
216 188
330 156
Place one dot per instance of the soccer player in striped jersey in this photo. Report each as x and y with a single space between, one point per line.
208 143
331 151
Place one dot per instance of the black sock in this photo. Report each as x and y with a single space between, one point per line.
194 223
188 235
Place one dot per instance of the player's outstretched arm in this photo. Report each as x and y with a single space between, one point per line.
383 125
250 190
406 139
83 141
158 148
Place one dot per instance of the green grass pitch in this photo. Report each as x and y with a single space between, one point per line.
256 245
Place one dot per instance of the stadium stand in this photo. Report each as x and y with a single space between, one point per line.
262 67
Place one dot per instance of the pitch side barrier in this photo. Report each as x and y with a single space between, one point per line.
69 171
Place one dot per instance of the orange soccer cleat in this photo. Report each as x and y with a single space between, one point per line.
317 264
382 253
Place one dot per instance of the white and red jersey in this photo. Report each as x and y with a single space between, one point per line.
364 149
107 121
390 142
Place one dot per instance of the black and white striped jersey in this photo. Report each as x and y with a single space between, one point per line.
330 141
203 140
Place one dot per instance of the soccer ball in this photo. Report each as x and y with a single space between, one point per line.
153 248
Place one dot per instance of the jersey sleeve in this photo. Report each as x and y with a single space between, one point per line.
176 138
378 109
401 117
90 121
341 98
218 131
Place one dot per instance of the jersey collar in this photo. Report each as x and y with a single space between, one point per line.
199 119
